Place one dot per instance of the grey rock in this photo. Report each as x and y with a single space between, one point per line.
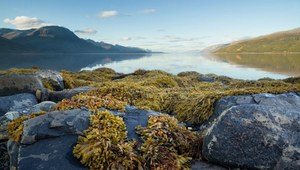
13 152
45 106
53 153
57 96
54 124
258 133
4 157
11 84
12 115
205 78
134 117
18 102
52 77
201 165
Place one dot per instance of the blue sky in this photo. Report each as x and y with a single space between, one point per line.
159 25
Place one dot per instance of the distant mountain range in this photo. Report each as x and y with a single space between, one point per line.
55 39
280 42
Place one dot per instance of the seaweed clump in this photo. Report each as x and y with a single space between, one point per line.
92 102
167 145
15 128
103 145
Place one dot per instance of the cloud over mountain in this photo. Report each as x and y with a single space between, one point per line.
89 31
25 22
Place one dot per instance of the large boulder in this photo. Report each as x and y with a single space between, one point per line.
18 102
52 78
57 96
11 84
48 140
260 131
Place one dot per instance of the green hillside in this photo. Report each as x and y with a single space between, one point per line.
280 42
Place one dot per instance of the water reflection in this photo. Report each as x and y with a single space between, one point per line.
236 66
288 64
73 62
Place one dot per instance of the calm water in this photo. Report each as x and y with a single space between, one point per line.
237 66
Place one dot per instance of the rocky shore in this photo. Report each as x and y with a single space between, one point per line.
146 120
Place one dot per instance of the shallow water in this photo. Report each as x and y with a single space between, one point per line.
236 66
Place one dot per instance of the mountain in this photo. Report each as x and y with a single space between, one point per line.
117 48
51 39
280 42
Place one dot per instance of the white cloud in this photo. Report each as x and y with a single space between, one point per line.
106 14
126 38
86 31
24 22
148 11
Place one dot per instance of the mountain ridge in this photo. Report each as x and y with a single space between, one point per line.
54 39
278 42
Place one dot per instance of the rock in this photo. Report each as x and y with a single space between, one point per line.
45 106
48 140
12 115
52 78
260 131
201 165
11 84
57 96
54 124
18 102
4 157
13 152
134 117
208 79
53 153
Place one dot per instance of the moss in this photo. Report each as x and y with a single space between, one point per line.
15 128
166 144
103 145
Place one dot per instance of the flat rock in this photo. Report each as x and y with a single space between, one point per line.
53 153
18 102
54 124
57 96
258 133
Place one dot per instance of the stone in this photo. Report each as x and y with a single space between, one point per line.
11 84
54 124
45 106
53 153
57 96
4 157
201 165
53 78
260 131
13 152
12 115
134 117
18 102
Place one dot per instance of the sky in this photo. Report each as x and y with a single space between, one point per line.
158 25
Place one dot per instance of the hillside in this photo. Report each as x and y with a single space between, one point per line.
280 42
51 39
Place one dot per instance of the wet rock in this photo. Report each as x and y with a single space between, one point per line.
18 102
57 96
261 131
53 78
13 152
